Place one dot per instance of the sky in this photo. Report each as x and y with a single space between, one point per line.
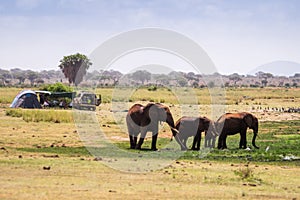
237 35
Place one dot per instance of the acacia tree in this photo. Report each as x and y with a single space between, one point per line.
235 77
75 67
141 75
264 76
31 76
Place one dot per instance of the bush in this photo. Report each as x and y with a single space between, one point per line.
152 88
57 87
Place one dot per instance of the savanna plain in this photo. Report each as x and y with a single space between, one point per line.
42 155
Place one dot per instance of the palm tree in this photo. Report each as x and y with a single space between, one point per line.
75 67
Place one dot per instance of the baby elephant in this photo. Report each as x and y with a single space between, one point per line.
194 126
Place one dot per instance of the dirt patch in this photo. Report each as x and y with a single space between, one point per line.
276 116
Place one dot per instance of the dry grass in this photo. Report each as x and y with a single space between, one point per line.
47 160
83 178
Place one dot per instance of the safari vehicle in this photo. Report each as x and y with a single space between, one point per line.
86 101
82 100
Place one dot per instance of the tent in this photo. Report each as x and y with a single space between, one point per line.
26 99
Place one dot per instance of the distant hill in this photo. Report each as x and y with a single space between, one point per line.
280 68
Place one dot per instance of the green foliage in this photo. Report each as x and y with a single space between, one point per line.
141 75
75 67
57 87
152 88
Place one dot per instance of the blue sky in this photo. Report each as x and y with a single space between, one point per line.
238 35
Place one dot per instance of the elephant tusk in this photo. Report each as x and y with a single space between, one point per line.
174 129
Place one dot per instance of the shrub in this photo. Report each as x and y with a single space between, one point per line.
244 173
57 87
152 88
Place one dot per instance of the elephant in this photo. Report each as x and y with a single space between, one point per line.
141 119
194 126
233 123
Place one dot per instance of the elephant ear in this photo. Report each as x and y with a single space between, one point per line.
152 111
248 118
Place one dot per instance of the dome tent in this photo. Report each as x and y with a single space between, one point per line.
26 99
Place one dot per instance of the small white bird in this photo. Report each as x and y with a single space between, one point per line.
267 149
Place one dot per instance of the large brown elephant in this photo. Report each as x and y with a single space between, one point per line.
233 123
142 119
193 127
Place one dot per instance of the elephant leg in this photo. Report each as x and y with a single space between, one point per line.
243 140
132 145
154 139
132 138
206 140
198 141
198 144
224 142
213 142
209 141
141 140
184 143
220 141
194 142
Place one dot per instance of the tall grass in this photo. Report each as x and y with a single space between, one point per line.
35 115
7 95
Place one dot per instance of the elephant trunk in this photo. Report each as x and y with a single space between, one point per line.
253 139
170 122
175 132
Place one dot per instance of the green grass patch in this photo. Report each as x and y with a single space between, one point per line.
70 151
280 144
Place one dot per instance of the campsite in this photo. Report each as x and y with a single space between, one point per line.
43 156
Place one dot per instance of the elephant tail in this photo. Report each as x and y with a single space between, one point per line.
253 140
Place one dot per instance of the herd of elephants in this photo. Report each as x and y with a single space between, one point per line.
142 119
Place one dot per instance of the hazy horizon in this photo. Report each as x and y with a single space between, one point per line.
274 68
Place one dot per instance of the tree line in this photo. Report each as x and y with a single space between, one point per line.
74 71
